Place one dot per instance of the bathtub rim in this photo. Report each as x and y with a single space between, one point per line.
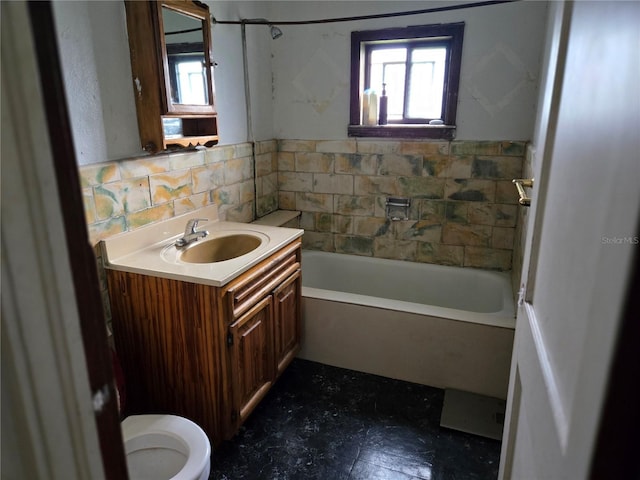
489 319
503 319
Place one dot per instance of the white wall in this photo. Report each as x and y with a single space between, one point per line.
94 52
500 66
299 82
229 76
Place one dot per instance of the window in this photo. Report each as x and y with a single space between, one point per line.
187 73
419 70
191 78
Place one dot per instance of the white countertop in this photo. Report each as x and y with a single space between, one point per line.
151 251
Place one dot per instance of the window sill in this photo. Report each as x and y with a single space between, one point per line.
440 132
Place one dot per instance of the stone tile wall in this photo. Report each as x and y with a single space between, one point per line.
127 194
266 177
463 204
464 208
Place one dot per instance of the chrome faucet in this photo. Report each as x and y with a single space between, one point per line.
190 233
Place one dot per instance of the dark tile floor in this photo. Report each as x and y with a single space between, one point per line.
322 422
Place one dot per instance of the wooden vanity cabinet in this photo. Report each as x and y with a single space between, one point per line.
251 358
171 348
207 353
286 317
264 336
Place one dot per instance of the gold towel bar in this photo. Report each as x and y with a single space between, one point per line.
520 183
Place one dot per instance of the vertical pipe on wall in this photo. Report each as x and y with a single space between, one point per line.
247 102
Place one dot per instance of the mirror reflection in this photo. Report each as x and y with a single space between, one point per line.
184 41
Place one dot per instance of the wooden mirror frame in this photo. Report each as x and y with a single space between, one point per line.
201 12
151 84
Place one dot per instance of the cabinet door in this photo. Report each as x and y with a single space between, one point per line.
287 321
251 352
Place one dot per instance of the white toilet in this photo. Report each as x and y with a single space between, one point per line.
162 447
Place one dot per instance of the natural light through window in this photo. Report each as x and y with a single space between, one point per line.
414 88
191 81
418 69
388 66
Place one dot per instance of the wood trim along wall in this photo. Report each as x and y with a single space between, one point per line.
82 262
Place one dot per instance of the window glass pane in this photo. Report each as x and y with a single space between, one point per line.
383 55
191 83
394 75
429 54
412 63
426 82
388 67
375 77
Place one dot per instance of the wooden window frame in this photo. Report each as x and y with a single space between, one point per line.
452 34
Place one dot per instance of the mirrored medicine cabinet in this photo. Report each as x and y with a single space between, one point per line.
172 66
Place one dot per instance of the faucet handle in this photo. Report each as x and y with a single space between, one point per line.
193 224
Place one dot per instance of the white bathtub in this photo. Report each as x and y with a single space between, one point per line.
442 326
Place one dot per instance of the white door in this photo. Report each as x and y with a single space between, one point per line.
580 239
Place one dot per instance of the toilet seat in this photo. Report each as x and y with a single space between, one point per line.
152 434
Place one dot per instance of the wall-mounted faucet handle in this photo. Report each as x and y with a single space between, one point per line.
520 184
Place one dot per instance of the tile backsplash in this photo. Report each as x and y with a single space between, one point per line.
127 194
463 206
